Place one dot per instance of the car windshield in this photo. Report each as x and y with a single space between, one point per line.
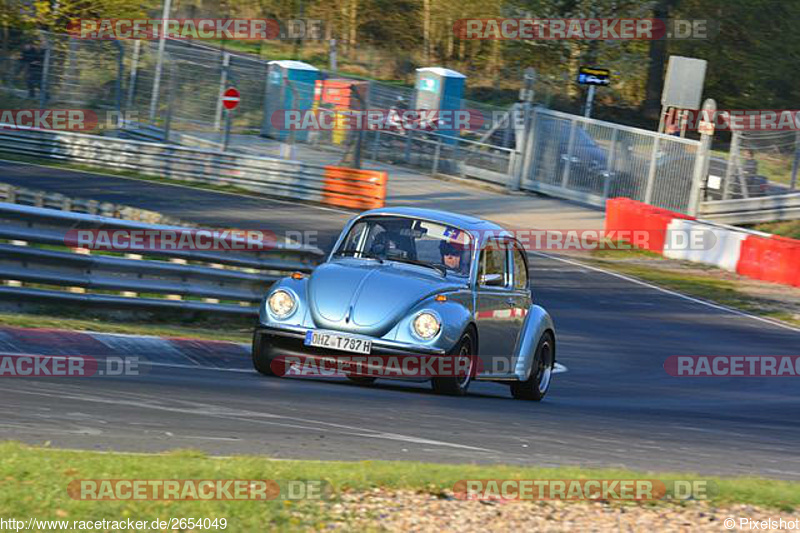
410 240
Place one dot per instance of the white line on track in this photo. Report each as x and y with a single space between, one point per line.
215 411
692 299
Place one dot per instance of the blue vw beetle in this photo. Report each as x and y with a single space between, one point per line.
420 283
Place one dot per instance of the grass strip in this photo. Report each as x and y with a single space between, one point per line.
33 483
234 330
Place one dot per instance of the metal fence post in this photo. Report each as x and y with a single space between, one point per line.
137 48
159 61
170 98
610 162
570 148
702 160
375 144
436 154
71 77
796 162
517 156
651 172
43 86
733 161
120 75
529 147
223 83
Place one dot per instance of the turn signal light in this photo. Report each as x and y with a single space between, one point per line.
440 298
298 275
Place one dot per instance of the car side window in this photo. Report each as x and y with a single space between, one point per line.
354 237
492 268
520 269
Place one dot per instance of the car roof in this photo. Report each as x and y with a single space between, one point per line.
465 222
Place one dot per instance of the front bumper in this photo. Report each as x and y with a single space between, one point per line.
290 340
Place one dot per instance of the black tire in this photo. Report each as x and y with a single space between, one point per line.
362 380
261 362
536 386
455 385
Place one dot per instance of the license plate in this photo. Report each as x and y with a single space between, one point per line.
335 341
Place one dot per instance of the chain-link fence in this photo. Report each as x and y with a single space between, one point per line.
177 96
591 160
51 70
760 163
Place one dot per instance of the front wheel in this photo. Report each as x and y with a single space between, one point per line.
261 362
536 386
458 385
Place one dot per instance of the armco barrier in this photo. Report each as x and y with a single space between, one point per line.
39 265
749 253
353 188
265 175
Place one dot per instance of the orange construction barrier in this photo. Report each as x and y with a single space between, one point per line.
353 188
750 257
788 260
775 259
613 210
624 214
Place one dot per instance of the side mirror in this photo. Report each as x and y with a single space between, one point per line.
492 280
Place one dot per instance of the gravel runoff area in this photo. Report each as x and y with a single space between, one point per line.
407 511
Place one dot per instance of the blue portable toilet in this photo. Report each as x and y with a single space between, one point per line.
440 88
290 86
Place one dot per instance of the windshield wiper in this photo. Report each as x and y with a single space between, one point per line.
362 254
440 268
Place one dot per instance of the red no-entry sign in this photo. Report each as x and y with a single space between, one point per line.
230 98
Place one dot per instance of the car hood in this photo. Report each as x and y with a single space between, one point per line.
369 298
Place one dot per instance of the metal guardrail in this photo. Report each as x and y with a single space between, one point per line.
752 210
52 200
38 266
271 176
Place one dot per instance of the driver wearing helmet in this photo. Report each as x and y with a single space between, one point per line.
453 255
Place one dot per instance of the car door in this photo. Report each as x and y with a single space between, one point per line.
494 300
521 291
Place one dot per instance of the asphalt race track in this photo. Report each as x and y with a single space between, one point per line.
616 406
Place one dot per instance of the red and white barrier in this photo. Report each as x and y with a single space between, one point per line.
677 236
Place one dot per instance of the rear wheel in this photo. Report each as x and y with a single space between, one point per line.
536 386
261 362
458 385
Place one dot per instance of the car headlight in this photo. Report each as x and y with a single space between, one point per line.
281 303
427 325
